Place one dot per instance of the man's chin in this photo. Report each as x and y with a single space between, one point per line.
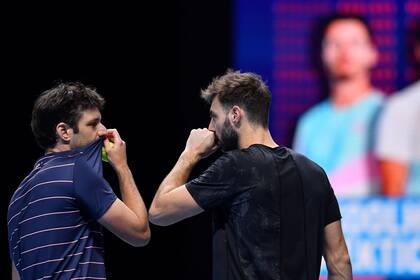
344 73
342 77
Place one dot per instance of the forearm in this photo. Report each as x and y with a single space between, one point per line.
131 196
15 273
340 271
335 253
393 176
178 175
173 202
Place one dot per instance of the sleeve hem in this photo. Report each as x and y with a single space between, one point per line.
105 209
193 195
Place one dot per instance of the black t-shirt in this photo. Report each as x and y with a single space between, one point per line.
270 207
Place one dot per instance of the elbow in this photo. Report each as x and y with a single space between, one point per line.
141 238
157 217
140 234
345 260
159 221
143 241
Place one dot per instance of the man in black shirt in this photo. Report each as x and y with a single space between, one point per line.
275 213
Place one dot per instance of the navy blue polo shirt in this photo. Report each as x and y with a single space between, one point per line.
52 217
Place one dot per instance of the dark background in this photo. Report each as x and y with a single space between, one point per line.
149 61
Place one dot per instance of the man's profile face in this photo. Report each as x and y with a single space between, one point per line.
89 127
347 49
227 137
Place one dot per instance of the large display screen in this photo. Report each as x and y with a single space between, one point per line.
276 38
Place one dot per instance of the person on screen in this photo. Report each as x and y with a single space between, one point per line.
338 133
398 145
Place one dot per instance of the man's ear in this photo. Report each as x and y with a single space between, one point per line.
64 132
236 116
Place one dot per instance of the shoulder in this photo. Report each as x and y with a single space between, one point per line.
407 97
58 159
316 112
403 102
239 159
240 156
412 92
305 163
228 159
313 177
310 172
370 104
83 169
377 97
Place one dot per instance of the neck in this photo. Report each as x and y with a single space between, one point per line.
59 147
346 92
250 135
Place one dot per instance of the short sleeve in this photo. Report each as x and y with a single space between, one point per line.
92 191
216 185
332 210
393 135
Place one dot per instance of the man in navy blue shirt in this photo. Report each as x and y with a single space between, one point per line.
274 212
55 216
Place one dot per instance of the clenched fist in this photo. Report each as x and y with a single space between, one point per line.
201 142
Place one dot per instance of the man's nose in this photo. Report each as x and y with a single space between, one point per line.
211 126
101 130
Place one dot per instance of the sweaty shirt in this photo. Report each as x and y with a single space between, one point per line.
270 207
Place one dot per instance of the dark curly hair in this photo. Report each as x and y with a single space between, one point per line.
62 103
244 89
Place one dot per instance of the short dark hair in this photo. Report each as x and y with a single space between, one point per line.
244 89
62 103
327 21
